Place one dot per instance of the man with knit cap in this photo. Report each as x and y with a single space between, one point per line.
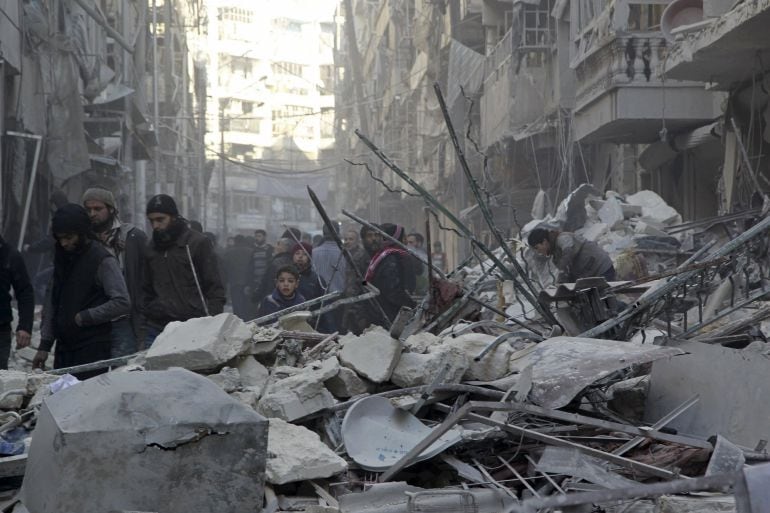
181 279
128 244
86 294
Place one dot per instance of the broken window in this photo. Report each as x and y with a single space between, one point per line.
537 26
645 17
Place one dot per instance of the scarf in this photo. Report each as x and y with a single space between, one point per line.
380 256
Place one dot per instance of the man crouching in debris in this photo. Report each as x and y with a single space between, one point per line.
574 256
285 294
181 277
87 292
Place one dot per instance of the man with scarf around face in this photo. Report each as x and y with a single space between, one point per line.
391 271
181 277
87 292
128 244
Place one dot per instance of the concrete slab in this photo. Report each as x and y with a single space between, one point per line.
300 395
373 355
199 344
168 441
298 454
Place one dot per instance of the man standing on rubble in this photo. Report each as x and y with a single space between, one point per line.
391 271
181 279
13 275
331 266
87 292
573 256
128 244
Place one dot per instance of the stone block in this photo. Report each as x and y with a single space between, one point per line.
299 395
415 369
246 397
373 355
199 344
493 366
228 379
348 384
253 374
297 454
421 342
151 441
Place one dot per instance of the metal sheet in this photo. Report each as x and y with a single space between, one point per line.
732 385
560 460
563 366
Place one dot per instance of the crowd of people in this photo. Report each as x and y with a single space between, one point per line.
112 289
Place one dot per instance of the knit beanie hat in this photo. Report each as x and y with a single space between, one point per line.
298 247
162 204
99 194
71 218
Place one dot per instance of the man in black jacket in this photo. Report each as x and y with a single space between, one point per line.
128 244
391 270
181 279
87 292
13 274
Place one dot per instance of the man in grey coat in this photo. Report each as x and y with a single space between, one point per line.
128 244
574 256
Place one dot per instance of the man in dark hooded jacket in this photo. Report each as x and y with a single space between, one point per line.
13 275
87 292
181 278
391 270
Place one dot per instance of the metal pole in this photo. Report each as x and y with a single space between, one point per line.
222 177
33 175
155 105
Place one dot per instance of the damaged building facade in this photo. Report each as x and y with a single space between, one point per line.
548 95
97 93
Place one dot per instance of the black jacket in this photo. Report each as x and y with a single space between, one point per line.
170 292
13 274
394 276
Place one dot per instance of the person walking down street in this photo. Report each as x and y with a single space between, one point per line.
238 264
181 279
391 271
13 275
128 244
355 319
285 294
572 255
86 294
261 257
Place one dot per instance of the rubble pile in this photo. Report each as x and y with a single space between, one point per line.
642 396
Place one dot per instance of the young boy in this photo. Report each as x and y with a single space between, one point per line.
285 294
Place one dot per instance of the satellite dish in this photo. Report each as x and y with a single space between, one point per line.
680 13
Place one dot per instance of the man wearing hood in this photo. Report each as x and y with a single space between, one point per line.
87 293
391 270
128 244
181 278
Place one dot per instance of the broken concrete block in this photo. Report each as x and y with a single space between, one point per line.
166 441
13 383
611 213
199 344
373 355
228 379
493 366
300 395
421 369
253 374
296 321
297 454
629 397
247 397
421 342
348 384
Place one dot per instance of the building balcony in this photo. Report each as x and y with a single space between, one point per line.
728 51
621 97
